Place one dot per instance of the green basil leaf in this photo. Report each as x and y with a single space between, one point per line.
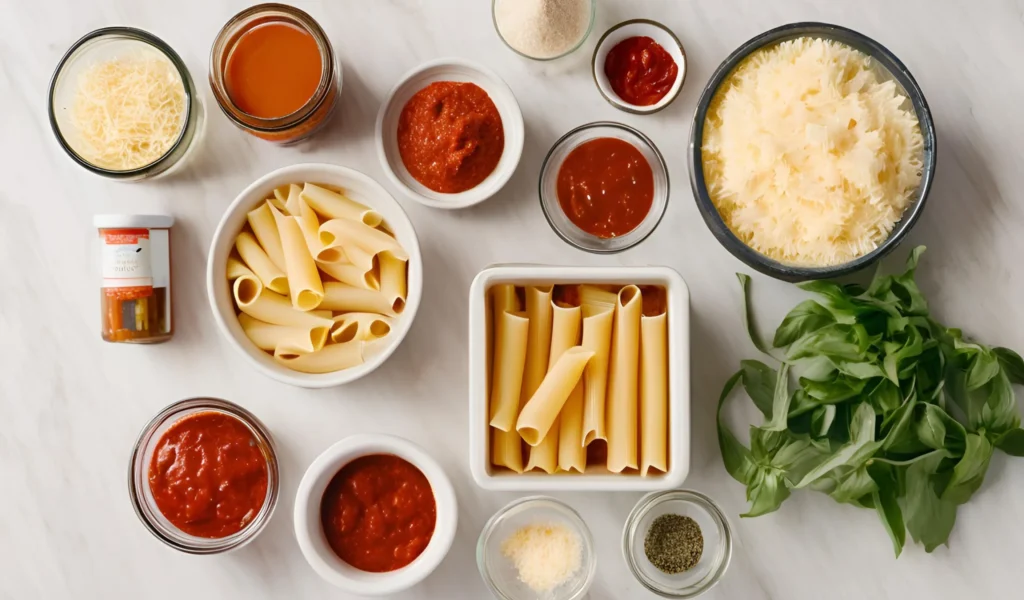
766 493
748 315
969 473
860 448
854 485
736 456
800 456
759 383
1012 364
807 317
1011 442
837 341
860 370
834 391
780 401
937 430
983 369
880 284
886 502
817 368
765 443
821 420
884 397
929 518
999 413
900 438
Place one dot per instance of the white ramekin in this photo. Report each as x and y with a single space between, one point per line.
449 69
678 379
309 531
357 186
633 28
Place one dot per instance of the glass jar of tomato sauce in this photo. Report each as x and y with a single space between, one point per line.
194 465
274 73
135 284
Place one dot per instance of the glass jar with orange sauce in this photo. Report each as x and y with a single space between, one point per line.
274 73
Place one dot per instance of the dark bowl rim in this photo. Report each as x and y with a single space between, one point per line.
899 73
592 125
187 124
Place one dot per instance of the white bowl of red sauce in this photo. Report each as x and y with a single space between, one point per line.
450 133
639 66
203 476
375 514
604 187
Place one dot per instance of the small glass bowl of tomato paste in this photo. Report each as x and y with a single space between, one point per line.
375 514
604 187
639 66
219 507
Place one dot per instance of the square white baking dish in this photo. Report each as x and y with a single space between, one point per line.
678 296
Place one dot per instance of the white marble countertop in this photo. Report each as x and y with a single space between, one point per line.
71 405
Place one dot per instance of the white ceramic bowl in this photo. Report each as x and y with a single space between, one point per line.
449 69
633 28
595 478
357 186
309 531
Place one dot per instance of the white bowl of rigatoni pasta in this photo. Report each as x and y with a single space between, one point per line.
579 378
315 274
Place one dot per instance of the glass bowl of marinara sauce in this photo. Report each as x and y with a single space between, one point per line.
604 187
375 514
204 476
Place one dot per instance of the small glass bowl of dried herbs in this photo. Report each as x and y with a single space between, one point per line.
677 543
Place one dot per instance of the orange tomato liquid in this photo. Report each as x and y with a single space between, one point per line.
273 70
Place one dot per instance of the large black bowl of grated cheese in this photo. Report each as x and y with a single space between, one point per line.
812 152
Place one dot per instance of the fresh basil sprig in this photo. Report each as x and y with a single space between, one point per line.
892 411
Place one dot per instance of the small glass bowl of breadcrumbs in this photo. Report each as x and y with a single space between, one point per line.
677 543
537 548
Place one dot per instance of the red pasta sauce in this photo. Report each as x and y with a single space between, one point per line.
640 71
378 513
208 475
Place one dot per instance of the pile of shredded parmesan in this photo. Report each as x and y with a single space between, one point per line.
128 111
546 555
809 157
542 28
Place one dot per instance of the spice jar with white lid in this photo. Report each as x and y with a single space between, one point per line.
135 285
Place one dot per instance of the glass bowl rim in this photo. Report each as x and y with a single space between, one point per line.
661 163
693 497
586 35
899 73
526 503
138 35
173 412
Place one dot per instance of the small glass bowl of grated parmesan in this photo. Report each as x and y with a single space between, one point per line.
543 29
537 548
123 105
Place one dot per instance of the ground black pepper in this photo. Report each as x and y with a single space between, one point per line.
674 543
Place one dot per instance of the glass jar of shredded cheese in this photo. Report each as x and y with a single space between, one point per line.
123 105
135 284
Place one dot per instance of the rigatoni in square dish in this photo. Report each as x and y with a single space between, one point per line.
311 279
579 378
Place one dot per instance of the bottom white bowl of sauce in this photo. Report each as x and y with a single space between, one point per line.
375 514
